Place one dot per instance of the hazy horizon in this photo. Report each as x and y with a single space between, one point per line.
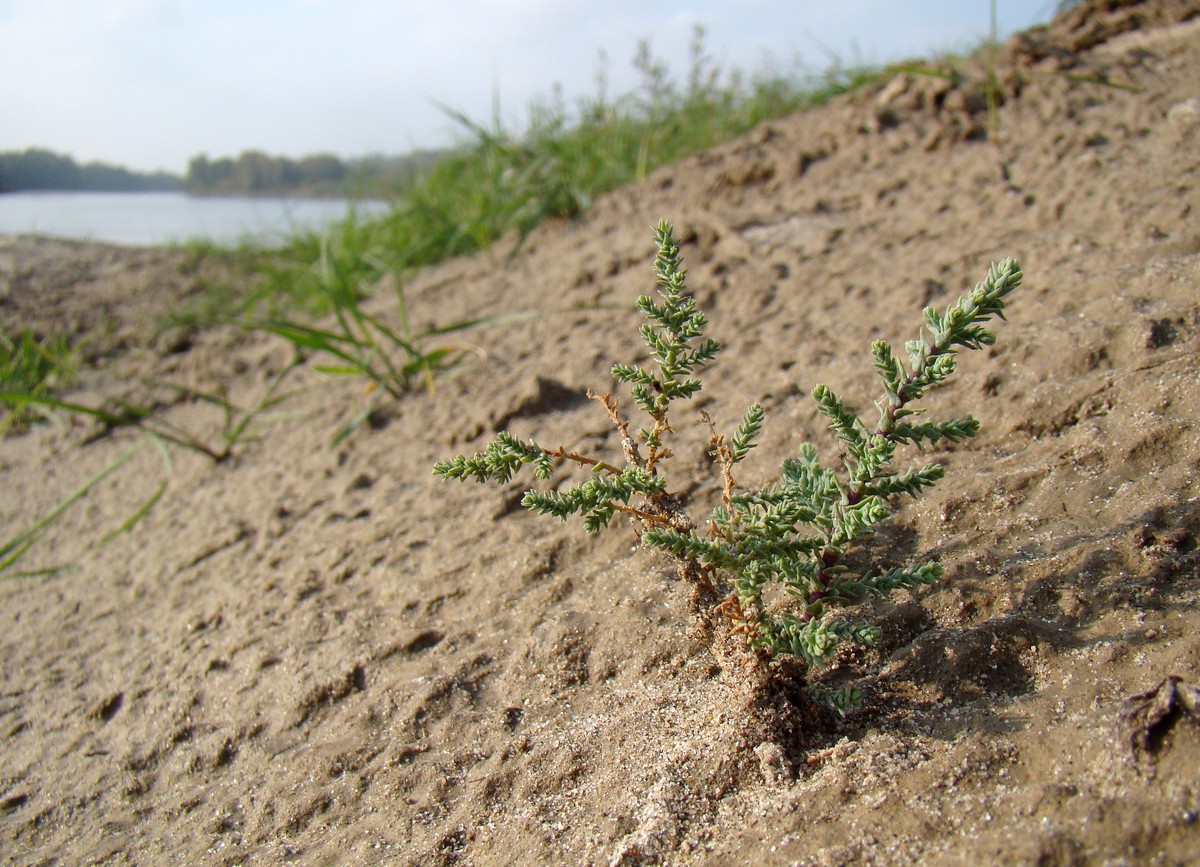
149 84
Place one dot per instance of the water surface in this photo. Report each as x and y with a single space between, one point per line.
161 218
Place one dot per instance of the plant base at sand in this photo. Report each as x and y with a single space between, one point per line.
775 561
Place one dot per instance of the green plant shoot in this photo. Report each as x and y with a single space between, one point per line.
778 560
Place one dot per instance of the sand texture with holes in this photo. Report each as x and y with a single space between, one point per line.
320 654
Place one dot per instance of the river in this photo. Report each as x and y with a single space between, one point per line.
163 218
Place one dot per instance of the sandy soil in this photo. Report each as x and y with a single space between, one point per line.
324 655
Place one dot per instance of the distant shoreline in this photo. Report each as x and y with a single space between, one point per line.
171 217
252 174
280 195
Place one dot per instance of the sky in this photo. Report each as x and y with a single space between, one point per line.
149 84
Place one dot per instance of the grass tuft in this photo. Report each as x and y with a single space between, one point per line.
32 366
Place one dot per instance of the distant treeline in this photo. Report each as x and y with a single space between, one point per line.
39 169
253 173
256 173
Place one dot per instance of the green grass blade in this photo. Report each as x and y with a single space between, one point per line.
396 339
480 322
340 370
35 573
137 516
438 361
351 426
12 550
150 503
109 418
401 305
303 336
131 415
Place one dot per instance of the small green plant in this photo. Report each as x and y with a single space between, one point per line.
32 366
236 421
393 358
116 414
362 344
778 561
